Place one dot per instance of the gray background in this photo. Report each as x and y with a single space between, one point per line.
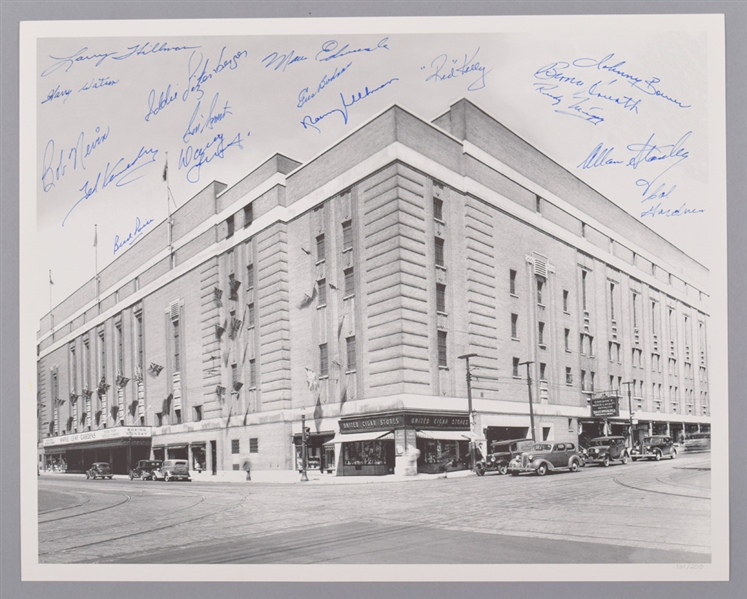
12 12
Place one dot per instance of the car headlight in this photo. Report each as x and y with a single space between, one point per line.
530 457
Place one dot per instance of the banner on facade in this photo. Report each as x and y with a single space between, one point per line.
119 432
605 407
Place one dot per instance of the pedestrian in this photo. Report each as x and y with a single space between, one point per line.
248 469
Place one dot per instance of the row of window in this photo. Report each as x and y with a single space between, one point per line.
350 365
253 445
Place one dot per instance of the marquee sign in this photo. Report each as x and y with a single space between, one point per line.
120 432
416 420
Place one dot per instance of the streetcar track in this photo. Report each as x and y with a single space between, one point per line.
629 486
66 507
108 507
150 530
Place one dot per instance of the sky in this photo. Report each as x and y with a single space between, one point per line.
630 110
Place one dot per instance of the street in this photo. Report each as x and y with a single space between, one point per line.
641 512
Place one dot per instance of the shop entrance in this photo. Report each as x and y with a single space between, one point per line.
317 456
505 433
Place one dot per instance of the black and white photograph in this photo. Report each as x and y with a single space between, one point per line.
374 299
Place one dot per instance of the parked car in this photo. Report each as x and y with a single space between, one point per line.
655 448
172 470
99 470
605 450
144 469
698 442
544 457
502 452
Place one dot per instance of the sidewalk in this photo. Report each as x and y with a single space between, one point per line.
289 477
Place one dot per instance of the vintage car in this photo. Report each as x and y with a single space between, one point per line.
502 452
172 470
698 442
144 469
544 457
99 470
605 450
654 448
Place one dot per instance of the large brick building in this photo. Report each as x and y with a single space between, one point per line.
344 291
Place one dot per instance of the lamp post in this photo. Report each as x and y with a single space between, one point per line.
630 411
466 358
304 476
529 385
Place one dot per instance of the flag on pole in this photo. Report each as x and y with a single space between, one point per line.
51 282
312 380
166 168
95 236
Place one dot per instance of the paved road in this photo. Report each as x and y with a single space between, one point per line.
635 513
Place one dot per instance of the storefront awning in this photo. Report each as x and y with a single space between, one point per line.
369 436
445 435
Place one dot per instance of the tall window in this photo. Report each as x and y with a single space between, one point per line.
512 282
347 236
234 375
102 353
349 282
540 289
177 354
86 364
350 346
139 339
543 371
439 252
515 368
654 322
73 369
323 360
541 333
250 315
249 277
229 227
442 357
568 376
320 248
567 340
438 209
583 289
514 326
252 374
440 298
565 300
583 381
591 380
120 348
635 310
321 288
612 301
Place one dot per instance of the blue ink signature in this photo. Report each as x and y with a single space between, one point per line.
309 121
282 60
331 50
165 98
74 158
57 93
133 236
467 66
194 127
585 113
643 153
121 173
146 49
305 95
193 158
97 83
199 73
681 211
647 86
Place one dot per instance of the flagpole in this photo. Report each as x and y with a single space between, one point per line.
50 290
168 209
96 259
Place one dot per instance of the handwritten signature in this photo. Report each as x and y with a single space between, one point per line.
331 49
282 61
98 58
119 173
132 236
305 95
200 73
199 125
194 158
311 122
57 93
97 83
464 67
643 153
54 165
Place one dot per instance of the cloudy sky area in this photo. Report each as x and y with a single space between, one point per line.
110 109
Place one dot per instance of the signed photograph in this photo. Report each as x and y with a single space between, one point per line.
355 299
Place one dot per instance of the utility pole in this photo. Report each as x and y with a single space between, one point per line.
466 358
630 411
529 385
304 476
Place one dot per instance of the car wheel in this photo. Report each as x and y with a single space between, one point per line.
574 466
479 469
503 469
606 461
625 458
657 456
167 478
143 476
542 470
88 475
674 453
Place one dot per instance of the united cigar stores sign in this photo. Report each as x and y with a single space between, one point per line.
387 422
119 432
605 407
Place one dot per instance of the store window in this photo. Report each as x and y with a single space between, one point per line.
364 453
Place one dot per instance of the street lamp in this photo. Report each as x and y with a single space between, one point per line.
466 358
529 384
630 411
304 432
